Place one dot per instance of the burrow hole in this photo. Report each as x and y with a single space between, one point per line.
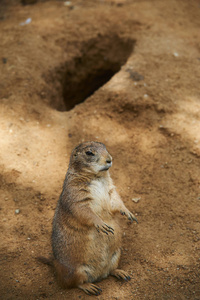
100 59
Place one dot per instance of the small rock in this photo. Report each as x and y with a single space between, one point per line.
67 3
17 211
136 199
175 54
4 60
28 21
135 75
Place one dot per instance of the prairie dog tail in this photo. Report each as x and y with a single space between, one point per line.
45 260
66 277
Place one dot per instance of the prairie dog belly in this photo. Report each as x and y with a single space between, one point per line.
103 252
100 204
103 247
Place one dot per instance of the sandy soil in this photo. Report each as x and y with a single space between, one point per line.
132 68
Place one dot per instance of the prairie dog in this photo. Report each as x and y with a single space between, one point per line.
86 236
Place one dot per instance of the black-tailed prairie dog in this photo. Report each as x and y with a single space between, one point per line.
86 237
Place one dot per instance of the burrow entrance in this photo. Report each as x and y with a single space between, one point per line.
100 59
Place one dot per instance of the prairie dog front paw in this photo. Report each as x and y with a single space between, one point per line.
104 228
129 215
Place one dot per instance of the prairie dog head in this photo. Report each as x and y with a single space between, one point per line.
91 157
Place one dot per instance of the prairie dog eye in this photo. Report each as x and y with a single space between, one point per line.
89 153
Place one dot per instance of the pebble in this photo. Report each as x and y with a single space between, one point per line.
176 54
28 21
135 75
67 3
17 211
136 199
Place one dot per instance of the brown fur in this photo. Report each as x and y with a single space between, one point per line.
86 236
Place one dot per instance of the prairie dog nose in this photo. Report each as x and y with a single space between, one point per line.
109 160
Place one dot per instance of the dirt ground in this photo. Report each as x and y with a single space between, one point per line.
123 72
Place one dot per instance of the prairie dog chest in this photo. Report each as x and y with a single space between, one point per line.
99 189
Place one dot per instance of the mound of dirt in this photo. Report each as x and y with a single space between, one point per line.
122 72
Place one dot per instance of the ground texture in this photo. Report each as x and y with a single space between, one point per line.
126 73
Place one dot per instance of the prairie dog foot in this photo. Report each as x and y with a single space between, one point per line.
90 289
104 228
129 215
121 275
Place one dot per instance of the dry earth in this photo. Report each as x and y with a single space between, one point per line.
133 69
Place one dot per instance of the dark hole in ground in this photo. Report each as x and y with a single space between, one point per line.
75 92
100 59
